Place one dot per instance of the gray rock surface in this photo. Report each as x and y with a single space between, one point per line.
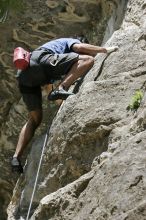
38 22
94 163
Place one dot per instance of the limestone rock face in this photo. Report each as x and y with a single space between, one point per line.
94 163
36 23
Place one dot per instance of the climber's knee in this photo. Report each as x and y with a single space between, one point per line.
35 117
86 60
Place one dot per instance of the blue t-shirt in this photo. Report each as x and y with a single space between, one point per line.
60 46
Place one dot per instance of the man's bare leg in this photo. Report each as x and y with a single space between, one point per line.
81 67
25 136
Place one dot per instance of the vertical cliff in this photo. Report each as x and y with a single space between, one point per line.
94 163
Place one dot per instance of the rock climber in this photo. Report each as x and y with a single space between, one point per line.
65 59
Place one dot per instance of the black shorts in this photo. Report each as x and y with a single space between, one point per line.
32 97
46 67
55 67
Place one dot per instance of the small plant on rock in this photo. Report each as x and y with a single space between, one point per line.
135 101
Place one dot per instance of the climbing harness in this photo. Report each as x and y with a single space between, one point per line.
39 166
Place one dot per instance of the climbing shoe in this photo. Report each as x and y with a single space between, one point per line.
59 94
16 165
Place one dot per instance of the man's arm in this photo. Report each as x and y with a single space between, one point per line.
91 50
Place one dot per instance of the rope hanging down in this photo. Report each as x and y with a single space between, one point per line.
38 171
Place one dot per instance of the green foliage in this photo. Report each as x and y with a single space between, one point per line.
7 5
16 5
135 101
